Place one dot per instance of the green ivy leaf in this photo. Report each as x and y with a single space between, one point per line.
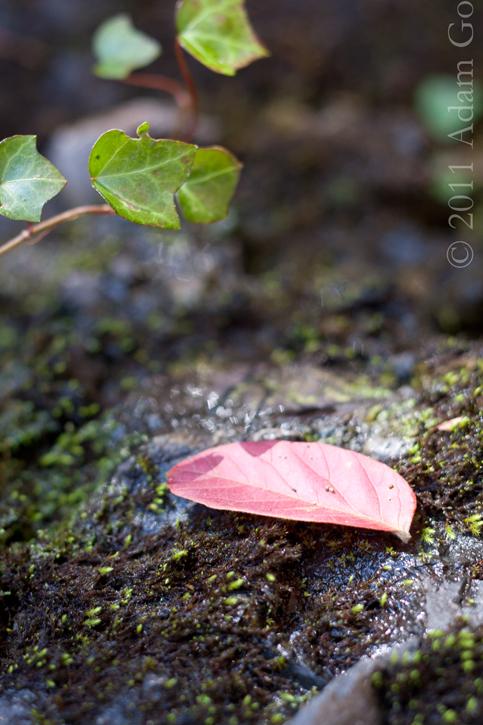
27 179
218 34
120 48
138 177
437 94
206 196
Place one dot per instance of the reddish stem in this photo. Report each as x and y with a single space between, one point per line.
160 83
190 86
35 232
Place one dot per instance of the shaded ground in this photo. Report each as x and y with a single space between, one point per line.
152 610
323 309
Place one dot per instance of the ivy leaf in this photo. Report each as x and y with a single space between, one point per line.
27 179
435 96
206 196
120 48
138 177
299 481
218 34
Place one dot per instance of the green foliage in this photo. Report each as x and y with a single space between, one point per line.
206 196
218 34
120 48
435 96
139 177
27 179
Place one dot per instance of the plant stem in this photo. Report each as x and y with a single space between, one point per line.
186 98
190 87
161 83
35 232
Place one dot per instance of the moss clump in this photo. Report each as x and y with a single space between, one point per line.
445 467
58 439
172 597
440 682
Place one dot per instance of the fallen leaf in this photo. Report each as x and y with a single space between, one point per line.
300 481
449 425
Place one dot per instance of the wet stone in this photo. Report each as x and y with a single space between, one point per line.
138 586
319 598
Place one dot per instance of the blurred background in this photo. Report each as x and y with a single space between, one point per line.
337 242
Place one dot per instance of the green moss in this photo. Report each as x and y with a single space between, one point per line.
235 584
105 570
127 594
179 554
474 524
432 683
451 458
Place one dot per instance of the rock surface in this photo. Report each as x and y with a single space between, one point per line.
347 700
139 583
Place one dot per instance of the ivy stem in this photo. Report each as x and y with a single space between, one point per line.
190 87
161 83
185 96
35 232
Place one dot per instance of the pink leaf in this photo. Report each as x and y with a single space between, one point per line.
451 424
299 481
